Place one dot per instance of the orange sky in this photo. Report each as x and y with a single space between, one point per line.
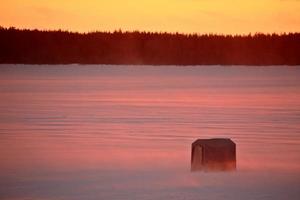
202 16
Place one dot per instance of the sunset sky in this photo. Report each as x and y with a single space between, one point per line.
201 16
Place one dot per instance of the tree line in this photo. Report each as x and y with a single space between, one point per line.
150 48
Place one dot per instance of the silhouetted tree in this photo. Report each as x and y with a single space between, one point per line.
62 47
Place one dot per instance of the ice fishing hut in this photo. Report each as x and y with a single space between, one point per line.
218 154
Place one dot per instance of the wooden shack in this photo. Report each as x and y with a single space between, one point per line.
218 154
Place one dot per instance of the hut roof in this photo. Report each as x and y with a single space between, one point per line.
214 142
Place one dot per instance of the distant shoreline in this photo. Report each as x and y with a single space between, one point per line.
145 65
146 48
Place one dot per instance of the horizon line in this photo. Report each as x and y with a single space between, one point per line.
145 31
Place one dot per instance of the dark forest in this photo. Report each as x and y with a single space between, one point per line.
63 47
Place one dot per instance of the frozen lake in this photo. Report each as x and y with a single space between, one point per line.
125 132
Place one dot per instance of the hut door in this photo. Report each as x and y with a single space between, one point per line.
197 158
